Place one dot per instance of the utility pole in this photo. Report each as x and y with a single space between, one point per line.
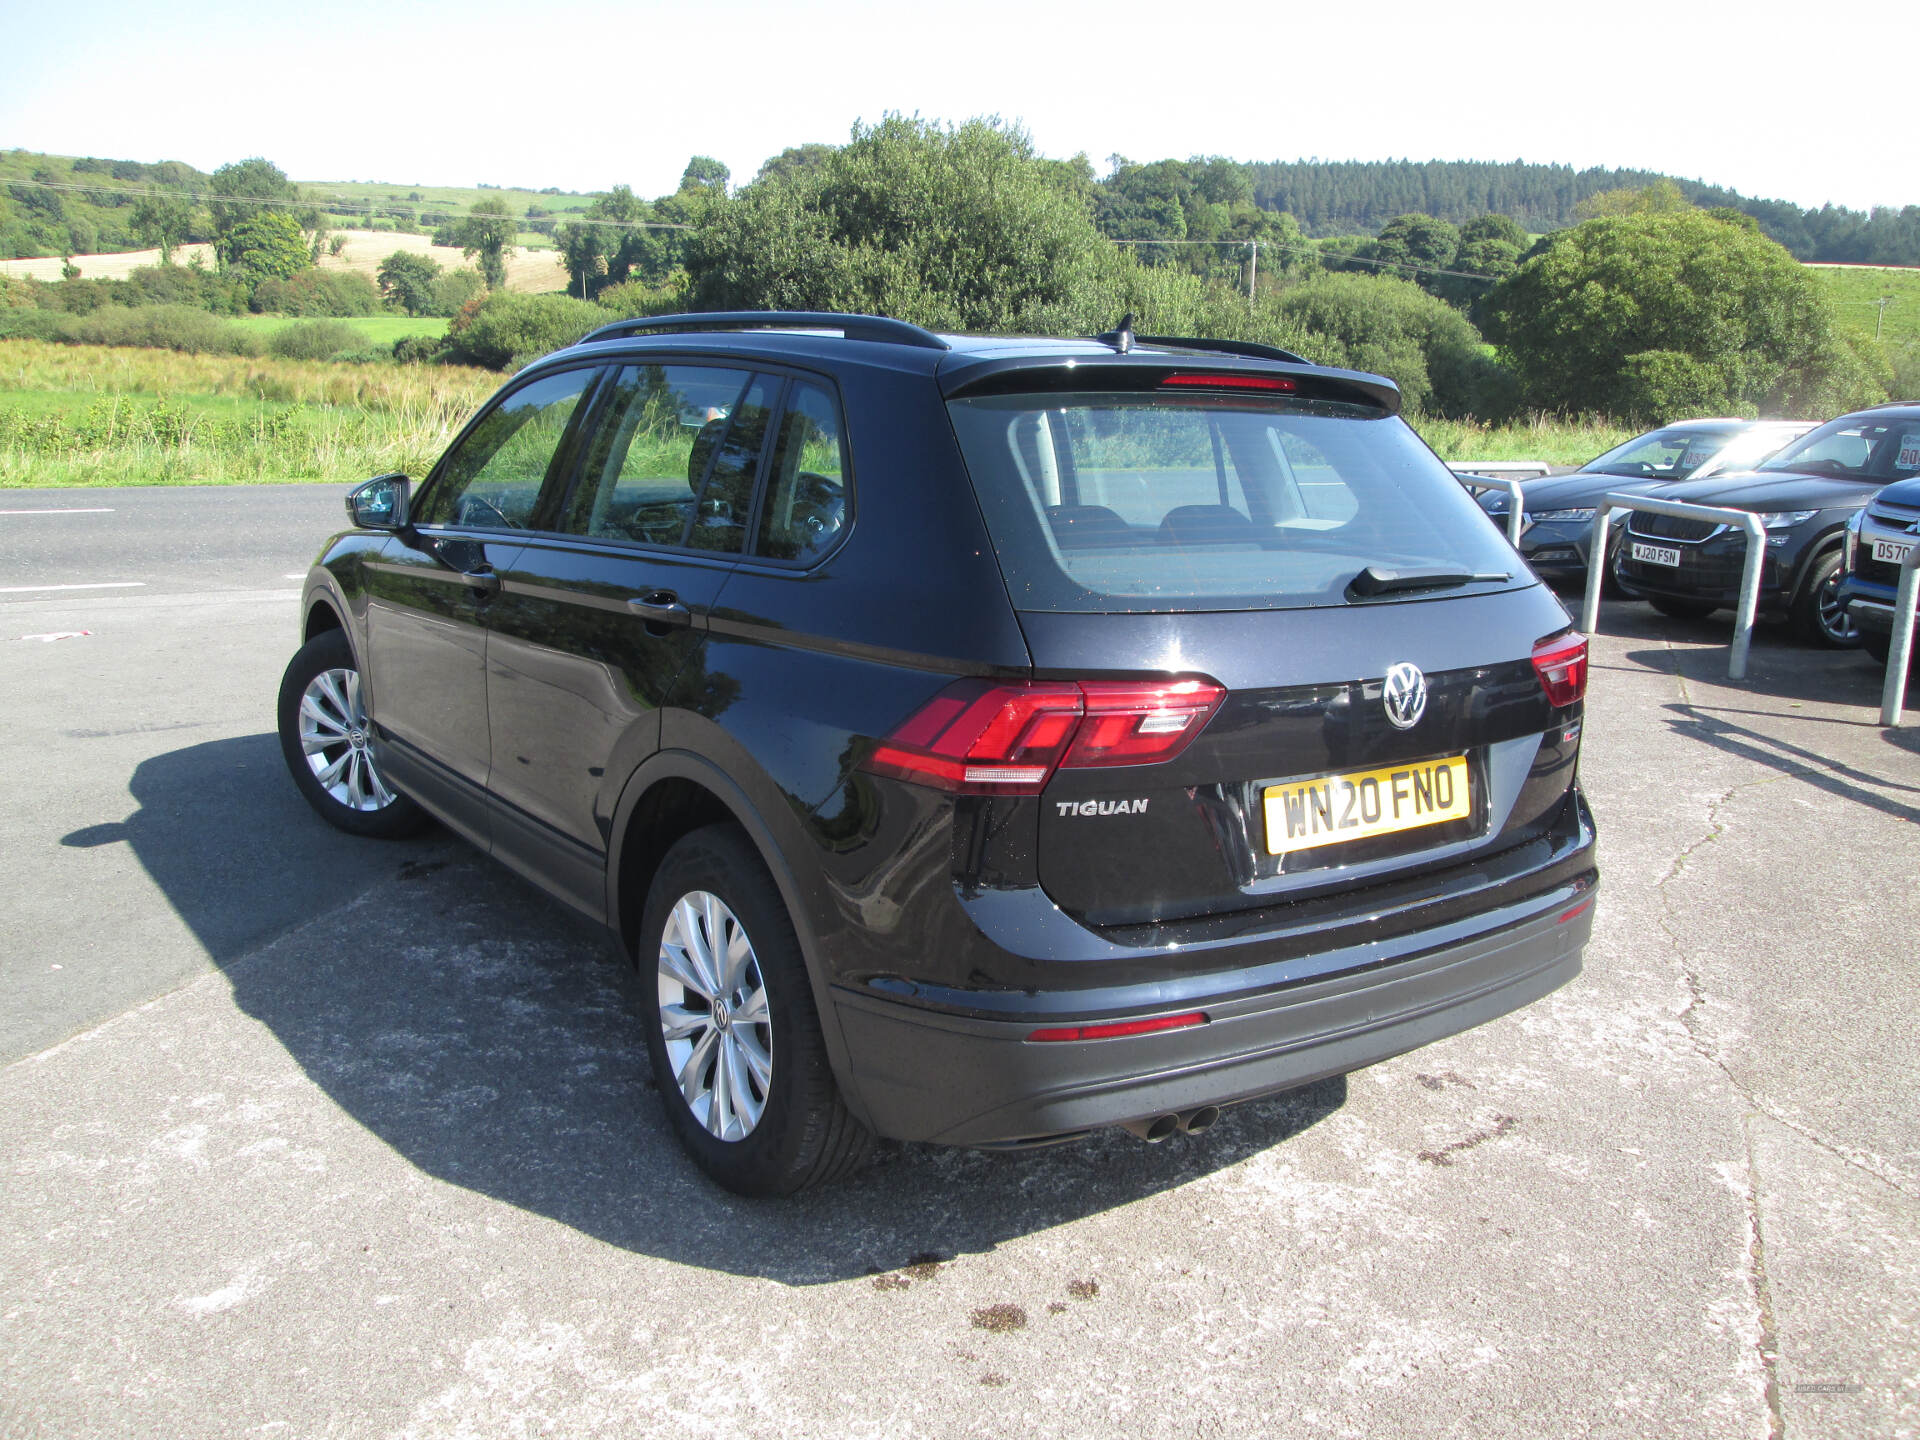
1253 265
1880 312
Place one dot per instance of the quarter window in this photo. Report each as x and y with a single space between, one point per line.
492 481
807 499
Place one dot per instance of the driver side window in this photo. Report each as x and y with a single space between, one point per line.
493 480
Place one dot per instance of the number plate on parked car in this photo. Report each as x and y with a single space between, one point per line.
1892 551
1334 809
1655 554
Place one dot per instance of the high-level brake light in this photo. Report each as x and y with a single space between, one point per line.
980 737
1188 379
1561 663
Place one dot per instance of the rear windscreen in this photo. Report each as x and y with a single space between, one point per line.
1123 502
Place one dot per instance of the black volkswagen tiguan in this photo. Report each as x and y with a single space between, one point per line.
975 740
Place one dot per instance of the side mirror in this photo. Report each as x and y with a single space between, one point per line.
382 503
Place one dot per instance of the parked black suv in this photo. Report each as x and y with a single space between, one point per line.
979 740
1804 496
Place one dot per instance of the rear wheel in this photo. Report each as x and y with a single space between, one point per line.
1818 614
731 1026
1681 609
327 742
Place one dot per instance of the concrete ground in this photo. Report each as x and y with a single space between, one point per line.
301 1136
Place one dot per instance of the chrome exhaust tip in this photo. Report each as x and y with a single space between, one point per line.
1198 1122
1153 1131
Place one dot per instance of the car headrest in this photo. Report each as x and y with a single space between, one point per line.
701 456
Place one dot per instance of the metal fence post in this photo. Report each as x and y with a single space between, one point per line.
1596 567
1749 602
1900 652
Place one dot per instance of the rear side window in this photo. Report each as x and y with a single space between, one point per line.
1105 502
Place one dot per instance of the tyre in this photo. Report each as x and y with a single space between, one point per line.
731 1026
325 737
1818 616
1681 609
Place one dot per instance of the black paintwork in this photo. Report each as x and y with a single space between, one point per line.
518 691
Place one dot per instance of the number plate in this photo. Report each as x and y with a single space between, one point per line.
1892 551
1655 554
1334 809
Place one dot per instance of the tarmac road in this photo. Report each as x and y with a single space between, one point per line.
302 1136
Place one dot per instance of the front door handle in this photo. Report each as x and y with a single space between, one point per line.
481 580
661 607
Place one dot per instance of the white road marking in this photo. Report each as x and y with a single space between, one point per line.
103 510
103 585
301 576
59 635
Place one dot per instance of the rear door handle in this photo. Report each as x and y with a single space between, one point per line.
482 580
661 607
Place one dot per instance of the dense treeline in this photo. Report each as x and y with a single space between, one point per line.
1361 196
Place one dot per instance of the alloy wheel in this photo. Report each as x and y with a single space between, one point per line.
714 1016
334 737
1836 623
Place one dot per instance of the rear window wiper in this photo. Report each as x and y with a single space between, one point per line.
1374 581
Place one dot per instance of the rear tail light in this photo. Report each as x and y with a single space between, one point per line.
1561 663
978 737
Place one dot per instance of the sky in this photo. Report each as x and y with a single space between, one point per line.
1808 106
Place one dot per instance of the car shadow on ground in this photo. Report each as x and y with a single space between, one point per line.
490 1037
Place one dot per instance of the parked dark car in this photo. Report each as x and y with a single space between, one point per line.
1805 495
1559 509
1877 542
973 740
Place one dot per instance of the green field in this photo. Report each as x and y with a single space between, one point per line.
1856 291
378 329
100 415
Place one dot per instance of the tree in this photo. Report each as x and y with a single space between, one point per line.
162 221
1416 245
1643 316
954 226
251 187
1392 327
406 280
1503 228
487 232
266 245
703 172
794 160
1662 197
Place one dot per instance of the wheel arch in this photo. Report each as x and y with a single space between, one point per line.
674 793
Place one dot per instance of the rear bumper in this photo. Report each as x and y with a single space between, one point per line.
959 1080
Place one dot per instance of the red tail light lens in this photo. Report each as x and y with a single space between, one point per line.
1183 379
977 737
1561 663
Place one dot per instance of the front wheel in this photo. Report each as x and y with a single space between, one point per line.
1819 615
731 1026
326 740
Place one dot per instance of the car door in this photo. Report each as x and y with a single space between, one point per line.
430 588
595 620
